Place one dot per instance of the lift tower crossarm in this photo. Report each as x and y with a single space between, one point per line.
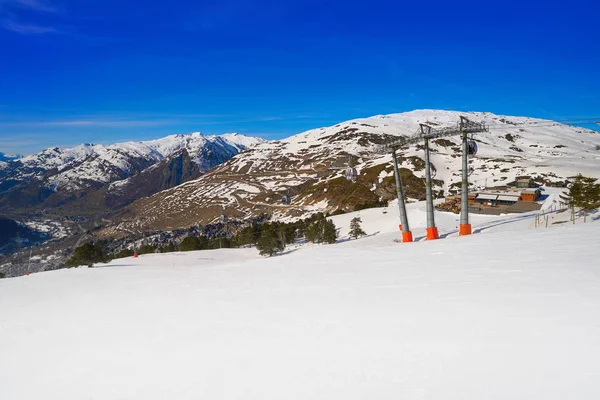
468 127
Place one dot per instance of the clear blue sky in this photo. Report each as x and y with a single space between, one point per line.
102 71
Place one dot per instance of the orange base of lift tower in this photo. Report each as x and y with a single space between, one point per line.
406 236
465 229
432 233
135 255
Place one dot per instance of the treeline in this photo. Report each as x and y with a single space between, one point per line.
269 238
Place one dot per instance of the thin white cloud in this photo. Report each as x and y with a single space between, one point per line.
269 119
28 29
37 5
90 123
12 20
13 143
149 120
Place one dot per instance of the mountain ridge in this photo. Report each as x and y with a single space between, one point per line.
55 177
310 166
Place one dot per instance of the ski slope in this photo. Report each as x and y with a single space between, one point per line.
510 313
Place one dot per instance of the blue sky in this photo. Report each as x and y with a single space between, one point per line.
102 71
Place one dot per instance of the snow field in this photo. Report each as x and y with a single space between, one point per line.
502 315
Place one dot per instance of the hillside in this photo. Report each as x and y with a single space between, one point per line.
496 315
309 167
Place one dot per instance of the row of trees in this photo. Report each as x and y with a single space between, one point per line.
274 237
269 238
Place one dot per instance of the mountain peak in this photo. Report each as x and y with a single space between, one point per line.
8 157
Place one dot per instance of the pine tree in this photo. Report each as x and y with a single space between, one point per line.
321 230
169 248
312 232
124 253
87 254
329 232
583 193
355 228
189 243
146 249
269 242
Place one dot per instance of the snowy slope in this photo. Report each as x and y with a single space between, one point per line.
504 315
305 166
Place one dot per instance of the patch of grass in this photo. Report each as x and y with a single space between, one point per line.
342 194
371 174
444 142
504 160
417 162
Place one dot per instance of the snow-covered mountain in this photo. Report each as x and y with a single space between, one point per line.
8 157
53 175
309 167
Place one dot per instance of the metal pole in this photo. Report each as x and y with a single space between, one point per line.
29 262
465 227
432 232
406 233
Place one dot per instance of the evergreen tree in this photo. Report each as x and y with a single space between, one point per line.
169 248
286 232
311 232
88 254
589 196
355 228
248 235
321 230
124 253
269 242
188 244
329 232
146 249
583 193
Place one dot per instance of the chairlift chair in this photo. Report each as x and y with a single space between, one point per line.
351 174
472 147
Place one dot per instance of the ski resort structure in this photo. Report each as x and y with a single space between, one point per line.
466 129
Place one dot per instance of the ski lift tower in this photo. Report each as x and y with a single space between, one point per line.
469 147
406 233
466 129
